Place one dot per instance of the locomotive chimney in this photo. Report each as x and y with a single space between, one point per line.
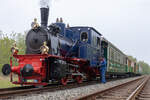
44 7
44 16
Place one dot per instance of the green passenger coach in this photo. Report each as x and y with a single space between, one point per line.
118 64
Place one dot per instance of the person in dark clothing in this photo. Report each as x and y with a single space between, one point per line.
103 69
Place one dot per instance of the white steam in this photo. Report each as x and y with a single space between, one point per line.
45 3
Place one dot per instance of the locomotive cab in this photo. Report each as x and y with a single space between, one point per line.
89 44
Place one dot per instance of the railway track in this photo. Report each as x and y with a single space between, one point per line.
142 92
15 88
126 91
9 93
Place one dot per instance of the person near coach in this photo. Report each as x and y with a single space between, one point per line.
103 68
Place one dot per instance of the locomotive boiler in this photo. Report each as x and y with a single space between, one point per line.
57 44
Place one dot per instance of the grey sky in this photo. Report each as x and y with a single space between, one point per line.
123 22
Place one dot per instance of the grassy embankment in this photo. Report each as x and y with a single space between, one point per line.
5 82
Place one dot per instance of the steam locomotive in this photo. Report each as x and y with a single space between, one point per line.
73 55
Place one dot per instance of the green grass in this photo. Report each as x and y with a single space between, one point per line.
5 82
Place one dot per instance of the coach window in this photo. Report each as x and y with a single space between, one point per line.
84 36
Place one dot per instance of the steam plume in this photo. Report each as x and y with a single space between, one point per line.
45 3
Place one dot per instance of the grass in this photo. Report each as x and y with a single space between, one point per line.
5 82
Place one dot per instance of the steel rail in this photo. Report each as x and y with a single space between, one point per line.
4 94
137 90
11 92
93 96
15 88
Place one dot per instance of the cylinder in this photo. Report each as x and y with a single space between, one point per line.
44 16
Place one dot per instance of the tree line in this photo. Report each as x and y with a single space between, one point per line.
144 67
6 42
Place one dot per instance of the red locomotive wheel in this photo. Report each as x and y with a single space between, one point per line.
79 79
64 81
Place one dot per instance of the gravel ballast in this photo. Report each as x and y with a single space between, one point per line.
71 94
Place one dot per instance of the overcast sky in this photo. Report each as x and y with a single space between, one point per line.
126 23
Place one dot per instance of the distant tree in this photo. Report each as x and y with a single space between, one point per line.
20 39
145 67
1 34
5 45
132 58
6 42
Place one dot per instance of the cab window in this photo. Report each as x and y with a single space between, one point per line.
84 36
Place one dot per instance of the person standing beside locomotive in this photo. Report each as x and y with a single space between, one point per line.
103 68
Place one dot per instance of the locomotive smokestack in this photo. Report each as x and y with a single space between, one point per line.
44 16
44 12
